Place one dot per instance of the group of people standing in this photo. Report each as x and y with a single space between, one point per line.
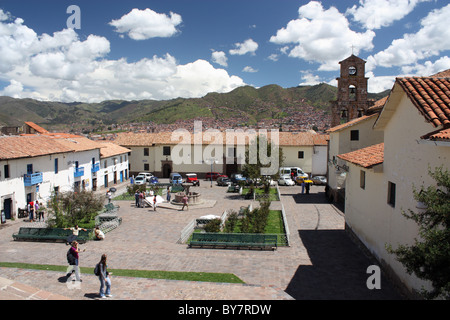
35 208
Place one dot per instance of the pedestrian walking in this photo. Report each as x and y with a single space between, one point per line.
307 186
31 210
36 208
168 194
155 202
109 196
104 277
136 198
141 199
185 201
303 186
73 260
41 211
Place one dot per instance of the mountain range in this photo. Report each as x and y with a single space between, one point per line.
249 103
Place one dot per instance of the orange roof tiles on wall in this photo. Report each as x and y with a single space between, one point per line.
15 147
431 96
366 157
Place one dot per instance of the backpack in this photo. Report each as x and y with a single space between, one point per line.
70 257
97 269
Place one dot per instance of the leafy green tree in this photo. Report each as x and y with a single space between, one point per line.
429 257
252 167
72 208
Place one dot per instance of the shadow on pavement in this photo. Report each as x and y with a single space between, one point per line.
338 270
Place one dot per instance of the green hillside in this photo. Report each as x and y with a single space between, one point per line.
247 103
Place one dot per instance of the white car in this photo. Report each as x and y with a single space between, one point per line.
140 180
285 181
147 175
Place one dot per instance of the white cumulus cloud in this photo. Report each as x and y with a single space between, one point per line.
220 58
248 46
62 67
146 24
374 14
323 36
432 38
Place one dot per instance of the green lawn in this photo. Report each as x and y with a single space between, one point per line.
274 223
168 275
273 195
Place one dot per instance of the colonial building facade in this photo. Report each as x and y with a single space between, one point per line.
414 124
163 153
34 166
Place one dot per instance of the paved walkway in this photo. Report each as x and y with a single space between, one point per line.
321 263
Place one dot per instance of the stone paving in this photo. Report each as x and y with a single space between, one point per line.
321 262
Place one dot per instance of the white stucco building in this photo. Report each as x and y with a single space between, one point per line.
34 166
166 152
415 124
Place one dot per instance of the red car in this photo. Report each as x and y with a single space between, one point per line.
192 178
213 175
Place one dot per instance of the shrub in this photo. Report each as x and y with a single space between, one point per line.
213 225
72 208
231 221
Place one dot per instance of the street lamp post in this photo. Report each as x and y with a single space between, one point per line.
212 161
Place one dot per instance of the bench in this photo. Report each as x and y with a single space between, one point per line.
234 240
51 234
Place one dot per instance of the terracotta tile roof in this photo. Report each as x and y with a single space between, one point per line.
438 135
78 143
378 105
165 138
352 123
15 147
35 127
431 96
442 74
109 149
366 157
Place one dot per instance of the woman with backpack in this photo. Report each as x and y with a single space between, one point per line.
73 259
101 270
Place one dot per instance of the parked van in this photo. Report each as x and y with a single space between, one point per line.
175 178
297 172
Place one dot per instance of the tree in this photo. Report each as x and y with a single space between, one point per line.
253 164
72 208
429 257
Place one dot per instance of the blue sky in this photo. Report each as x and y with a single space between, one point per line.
158 49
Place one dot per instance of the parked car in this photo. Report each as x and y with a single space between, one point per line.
154 180
285 181
213 175
175 178
147 175
237 177
140 180
223 181
268 179
192 178
320 180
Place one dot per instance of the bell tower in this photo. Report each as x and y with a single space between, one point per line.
352 99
